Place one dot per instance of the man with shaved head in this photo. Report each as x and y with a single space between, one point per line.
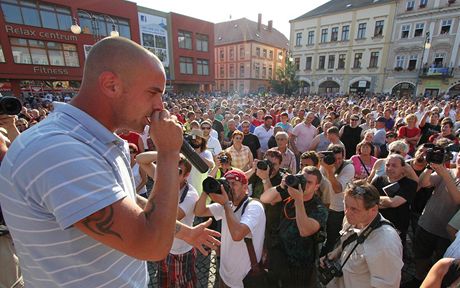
67 190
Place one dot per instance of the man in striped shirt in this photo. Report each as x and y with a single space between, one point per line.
67 190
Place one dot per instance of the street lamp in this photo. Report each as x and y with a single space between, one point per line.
426 46
76 29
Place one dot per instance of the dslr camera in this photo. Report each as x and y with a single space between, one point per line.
223 159
294 181
328 157
440 155
10 105
264 164
331 269
212 185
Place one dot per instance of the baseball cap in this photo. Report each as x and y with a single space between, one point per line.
236 175
381 119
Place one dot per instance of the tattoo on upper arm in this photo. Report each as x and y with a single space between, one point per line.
101 222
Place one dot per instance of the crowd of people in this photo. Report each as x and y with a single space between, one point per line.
305 191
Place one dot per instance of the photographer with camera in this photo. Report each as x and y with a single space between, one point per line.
303 217
369 253
224 163
241 218
339 172
431 236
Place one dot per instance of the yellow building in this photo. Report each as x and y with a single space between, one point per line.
342 46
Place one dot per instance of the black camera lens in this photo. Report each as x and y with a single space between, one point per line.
212 185
264 164
294 181
10 105
328 157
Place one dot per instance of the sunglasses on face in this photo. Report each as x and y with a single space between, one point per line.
395 151
205 128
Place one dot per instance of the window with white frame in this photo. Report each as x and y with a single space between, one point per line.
346 33
186 65
311 38
298 39
241 70
231 71
400 61
308 62
405 29
412 62
324 35
374 60
410 5
357 60
202 67
334 34
362 30
423 3
446 26
331 62
202 41
378 31
242 53
185 39
341 64
439 59
297 63
321 62
419 29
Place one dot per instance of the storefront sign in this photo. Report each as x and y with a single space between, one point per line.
50 71
39 34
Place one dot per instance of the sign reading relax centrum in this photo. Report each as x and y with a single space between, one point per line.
41 34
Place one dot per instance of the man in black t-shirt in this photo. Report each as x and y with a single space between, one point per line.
251 140
395 202
428 129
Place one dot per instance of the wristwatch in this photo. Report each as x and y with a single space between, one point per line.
228 203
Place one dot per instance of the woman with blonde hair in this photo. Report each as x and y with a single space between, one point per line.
410 132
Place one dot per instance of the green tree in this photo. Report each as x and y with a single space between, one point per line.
285 81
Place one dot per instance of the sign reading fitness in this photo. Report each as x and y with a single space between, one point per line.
42 34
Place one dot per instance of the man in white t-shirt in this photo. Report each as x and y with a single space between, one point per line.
264 132
242 218
178 269
213 144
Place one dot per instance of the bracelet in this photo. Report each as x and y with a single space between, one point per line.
228 203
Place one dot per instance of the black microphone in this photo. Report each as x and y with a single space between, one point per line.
193 157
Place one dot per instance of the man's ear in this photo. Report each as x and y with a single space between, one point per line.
110 84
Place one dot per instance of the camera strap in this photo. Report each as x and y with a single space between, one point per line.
365 168
183 194
375 224
243 204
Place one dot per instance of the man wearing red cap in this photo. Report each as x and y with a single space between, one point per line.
241 218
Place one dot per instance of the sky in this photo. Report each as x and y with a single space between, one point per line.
219 11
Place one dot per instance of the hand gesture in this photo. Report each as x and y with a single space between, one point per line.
200 235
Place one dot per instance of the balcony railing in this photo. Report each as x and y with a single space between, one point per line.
438 72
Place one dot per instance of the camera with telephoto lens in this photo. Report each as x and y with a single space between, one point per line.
223 159
264 164
330 270
440 155
212 185
294 181
10 105
328 157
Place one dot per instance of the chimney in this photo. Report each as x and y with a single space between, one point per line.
259 22
270 25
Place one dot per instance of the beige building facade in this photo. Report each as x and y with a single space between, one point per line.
424 58
247 55
343 46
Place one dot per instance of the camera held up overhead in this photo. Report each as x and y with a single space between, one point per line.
440 155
